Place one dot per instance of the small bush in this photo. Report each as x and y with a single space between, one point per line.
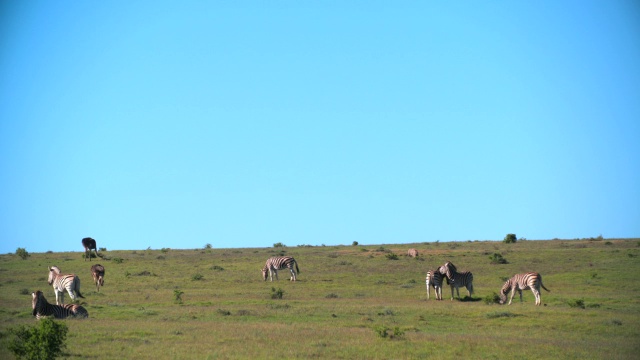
277 294
165 250
498 259
24 292
196 277
355 243
208 247
332 296
22 253
384 332
279 244
576 303
224 312
492 299
391 256
44 341
177 294
103 249
217 268
117 260
510 239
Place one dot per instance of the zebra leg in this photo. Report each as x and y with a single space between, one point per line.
293 275
520 291
536 293
513 293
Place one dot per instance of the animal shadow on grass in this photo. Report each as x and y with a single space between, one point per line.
469 299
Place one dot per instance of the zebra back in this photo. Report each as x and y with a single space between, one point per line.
70 282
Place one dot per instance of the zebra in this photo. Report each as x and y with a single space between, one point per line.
519 282
434 278
42 308
89 244
274 264
457 279
97 271
60 282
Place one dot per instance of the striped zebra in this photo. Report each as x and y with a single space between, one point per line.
60 282
434 279
274 264
457 279
89 243
97 271
42 308
519 282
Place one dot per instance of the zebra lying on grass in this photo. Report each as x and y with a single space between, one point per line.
434 279
60 282
519 282
42 308
274 264
457 279
97 271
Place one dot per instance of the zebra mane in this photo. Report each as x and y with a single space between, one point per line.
55 269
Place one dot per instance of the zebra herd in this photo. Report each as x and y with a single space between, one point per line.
455 279
434 279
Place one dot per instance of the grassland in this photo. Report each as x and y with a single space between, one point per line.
345 298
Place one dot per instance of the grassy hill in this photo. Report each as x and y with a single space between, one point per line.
212 303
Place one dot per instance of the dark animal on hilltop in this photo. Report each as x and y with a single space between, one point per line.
42 308
97 271
62 282
89 244
519 282
274 264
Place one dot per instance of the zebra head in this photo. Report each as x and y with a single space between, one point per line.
265 272
504 291
448 269
36 302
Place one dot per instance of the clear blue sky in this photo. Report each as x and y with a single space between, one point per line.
243 124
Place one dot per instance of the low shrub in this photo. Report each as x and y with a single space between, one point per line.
46 340
576 303
492 299
22 253
277 294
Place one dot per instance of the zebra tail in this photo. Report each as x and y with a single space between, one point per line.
78 287
297 269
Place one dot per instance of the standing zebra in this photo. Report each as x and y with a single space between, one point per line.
97 271
60 282
434 278
457 279
519 282
42 308
89 244
274 264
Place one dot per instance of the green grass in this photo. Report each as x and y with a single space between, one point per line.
346 298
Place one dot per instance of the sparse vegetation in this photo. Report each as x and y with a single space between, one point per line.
332 312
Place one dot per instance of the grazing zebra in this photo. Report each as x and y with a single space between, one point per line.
434 278
60 282
274 264
519 282
457 279
89 244
97 271
412 253
42 308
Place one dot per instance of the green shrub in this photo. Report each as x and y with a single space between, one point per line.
384 333
165 250
576 303
217 268
102 249
117 260
498 259
492 299
277 294
196 277
279 244
510 239
44 341
355 243
208 247
391 256
22 253
224 312
177 294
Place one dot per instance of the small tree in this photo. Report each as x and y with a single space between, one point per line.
510 238
44 341
22 252
355 243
